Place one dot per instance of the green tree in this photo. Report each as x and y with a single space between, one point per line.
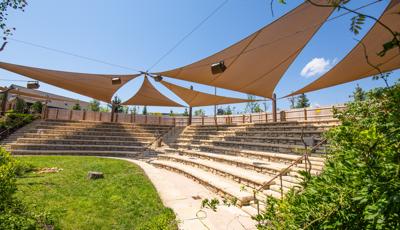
94 105
20 105
37 107
359 187
199 112
358 94
117 105
5 5
104 109
252 106
185 113
292 101
77 106
171 113
144 112
228 110
302 101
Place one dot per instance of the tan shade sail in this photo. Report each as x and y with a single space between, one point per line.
26 93
355 65
256 64
149 95
196 98
97 86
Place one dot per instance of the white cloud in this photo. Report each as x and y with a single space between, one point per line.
317 66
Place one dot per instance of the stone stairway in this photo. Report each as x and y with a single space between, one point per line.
236 160
53 137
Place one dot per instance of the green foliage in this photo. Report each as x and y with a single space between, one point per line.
94 105
302 101
211 204
199 112
171 113
356 23
186 113
12 119
13 213
20 105
118 108
37 107
359 187
358 94
77 106
124 199
144 112
252 106
5 5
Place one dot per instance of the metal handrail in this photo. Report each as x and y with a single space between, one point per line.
284 171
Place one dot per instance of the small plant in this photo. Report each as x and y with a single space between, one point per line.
212 204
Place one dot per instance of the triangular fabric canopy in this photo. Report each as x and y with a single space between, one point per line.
149 95
355 65
256 64
196 98
97 86
30 94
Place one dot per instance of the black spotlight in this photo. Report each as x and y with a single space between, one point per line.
158 78
116 80
218 67
32 85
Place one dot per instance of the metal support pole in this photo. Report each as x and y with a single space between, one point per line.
274 115
190 116
112 111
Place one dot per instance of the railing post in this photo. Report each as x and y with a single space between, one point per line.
244 118
274 115
84 115
266 117
134 118
100 116
57 114
70 115
305 114
251 118
131 121
145 119
116 117
174 120
159 120
190 116
202 119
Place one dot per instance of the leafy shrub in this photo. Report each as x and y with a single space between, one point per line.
37 107
360 185
13 214
13 119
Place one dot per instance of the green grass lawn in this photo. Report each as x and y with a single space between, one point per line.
124 199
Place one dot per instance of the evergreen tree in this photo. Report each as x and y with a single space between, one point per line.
358 94
199 112
302 101
94 105
144 112
228 110
185 113
77 106
171 113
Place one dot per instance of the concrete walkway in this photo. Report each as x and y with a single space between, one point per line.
184 196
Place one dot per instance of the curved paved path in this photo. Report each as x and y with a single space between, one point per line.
184 196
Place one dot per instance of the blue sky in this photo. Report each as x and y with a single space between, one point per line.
136 34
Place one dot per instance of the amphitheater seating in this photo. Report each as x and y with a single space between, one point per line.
53 137
234 160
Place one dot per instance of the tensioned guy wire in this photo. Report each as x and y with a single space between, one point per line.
188 34
72 54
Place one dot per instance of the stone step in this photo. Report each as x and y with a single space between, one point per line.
258 133
79 142
243 162
59 132
75 147
77 153
262 147
105 129
89 137
220 185
268 156
101 123
240 175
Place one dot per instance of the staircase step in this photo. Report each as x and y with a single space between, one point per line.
221 185
77 153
